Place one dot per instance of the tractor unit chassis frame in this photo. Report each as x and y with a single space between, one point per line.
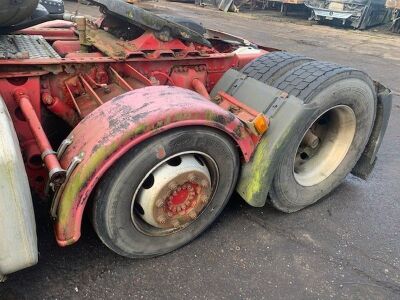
81 95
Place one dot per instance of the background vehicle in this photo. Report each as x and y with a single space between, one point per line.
157 120
359 14
394 6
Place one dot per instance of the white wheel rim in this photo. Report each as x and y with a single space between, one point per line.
177 194
324 145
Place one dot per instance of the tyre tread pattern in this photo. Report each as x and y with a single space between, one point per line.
305 80
266 67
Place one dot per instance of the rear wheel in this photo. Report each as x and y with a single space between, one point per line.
165 192
327 145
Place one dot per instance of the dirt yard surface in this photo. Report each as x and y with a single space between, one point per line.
346 246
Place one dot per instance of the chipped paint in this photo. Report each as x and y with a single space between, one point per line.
117 126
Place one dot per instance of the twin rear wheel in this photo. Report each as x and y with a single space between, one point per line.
166 191
326 145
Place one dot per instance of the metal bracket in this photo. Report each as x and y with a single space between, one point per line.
278 102
56 199
64 145
236 85
47 152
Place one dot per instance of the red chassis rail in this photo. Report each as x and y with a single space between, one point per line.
74 86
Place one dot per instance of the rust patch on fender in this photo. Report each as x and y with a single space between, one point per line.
118 125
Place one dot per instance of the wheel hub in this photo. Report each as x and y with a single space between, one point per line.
324 145
175 193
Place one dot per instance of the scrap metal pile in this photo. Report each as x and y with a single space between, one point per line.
359 14
394 5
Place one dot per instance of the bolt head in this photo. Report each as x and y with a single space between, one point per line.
204 198
191 177
160 203
161 219
172 186
204 183
175 223
193 215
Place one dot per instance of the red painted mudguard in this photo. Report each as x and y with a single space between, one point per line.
120 124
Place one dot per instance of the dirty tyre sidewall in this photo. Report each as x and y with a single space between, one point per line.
287 194
112 203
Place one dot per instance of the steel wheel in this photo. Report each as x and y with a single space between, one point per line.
324 145
165 192
327 142
174 193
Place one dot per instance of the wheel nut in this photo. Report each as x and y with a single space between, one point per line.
191 177
204 198
161 219
175 223
172 186
160 203
193 215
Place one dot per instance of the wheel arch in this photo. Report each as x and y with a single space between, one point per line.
113 129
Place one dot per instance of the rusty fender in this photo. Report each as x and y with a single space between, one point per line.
120 124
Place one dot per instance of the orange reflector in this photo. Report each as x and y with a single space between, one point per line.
261 123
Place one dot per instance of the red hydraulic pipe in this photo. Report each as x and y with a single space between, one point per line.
49 157
60 109
199 87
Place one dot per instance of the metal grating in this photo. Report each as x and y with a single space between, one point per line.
25 46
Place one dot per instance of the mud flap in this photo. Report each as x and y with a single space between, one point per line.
368 159
283 111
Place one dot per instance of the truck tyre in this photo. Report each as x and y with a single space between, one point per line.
326 145
271 66
165 192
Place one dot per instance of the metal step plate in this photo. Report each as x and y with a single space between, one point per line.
25 47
